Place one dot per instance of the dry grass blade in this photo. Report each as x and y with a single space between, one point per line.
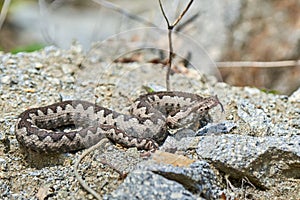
78 177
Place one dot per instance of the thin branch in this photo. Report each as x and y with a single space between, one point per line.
170 28
124 12
285 63
164 14
183 13
3 13
170 60
187 22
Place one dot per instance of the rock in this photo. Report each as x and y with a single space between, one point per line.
5 189
6 80
145 184
3 165
256 118
158 181
220 128
68 68
260 159
295 97
171 144
260 119
38 65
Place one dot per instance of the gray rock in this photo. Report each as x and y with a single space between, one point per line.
160 181
4 189
219 128
256 118
261 159
148 185
295 97
171 144
3 164
260 120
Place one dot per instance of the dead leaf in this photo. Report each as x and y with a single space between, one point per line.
170 158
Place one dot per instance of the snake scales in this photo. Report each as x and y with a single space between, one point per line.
145 127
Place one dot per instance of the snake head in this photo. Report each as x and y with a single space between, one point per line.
189 114
206 104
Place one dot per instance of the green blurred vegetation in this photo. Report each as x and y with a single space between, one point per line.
268 91
9 41
27 48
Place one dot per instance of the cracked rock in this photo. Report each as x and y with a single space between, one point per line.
160 181
261 159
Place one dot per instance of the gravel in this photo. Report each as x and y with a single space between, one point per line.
258 158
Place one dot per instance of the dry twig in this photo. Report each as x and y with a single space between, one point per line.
187 22
170 31
284 63
4 12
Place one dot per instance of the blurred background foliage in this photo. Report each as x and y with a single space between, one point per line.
231 30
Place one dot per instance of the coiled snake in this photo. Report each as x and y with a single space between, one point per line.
145 128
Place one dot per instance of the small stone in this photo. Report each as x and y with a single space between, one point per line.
30 90
3 164
11 61
68 79
68 69
38 65
6 80
295 97
252 91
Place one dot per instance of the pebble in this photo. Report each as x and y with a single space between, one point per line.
3 164
6 80
68 69
38 65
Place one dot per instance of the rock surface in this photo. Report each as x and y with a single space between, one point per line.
257 159
260 159
158 181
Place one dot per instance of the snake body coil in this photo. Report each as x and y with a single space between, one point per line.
40 128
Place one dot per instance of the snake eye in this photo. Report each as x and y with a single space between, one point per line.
172 125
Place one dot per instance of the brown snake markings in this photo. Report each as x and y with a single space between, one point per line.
144 128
